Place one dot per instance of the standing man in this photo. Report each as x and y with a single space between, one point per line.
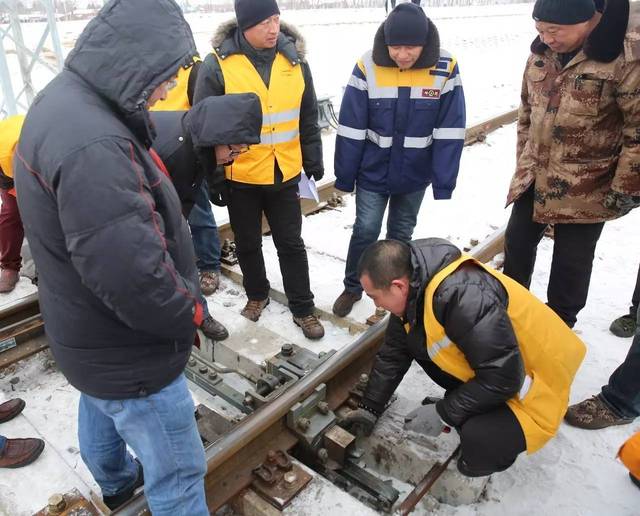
402 124
11 230
578 143
118 284
252 54
505 360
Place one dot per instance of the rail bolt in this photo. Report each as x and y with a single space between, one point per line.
323 407
304 424
290 478
323 455
287 349
56 504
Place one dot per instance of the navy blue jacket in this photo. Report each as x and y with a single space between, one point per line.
401 130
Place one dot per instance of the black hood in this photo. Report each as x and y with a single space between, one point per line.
606 41
428 58
130 48
428 257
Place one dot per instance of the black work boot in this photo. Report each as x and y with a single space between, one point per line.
116 500
213 329
344 304
624 326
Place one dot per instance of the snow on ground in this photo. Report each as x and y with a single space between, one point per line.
576 474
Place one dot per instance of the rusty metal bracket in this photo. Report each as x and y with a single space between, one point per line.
69 504
278 479
311 418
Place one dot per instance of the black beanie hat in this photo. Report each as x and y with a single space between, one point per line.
564 12
406 25
252 12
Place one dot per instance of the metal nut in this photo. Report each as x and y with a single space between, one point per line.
290 478
323 407
192 362
56 504
203 370
364 380
323 455
287 349
248 400
304 424
213 375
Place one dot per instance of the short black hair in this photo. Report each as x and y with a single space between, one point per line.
385 261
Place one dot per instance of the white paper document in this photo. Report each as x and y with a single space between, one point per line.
307 188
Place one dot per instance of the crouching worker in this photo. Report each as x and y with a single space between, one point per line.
505 360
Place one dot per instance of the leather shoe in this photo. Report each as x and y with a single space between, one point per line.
20 452
10 409
213 329
8 280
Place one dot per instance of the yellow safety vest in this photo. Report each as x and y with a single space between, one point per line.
280 135
9 135
177 97
551 353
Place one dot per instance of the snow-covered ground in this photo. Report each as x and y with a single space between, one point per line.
576 474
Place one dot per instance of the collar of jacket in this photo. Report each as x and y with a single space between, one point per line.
607 41
227 41
428 257
428 58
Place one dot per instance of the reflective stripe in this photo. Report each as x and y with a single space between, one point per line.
282 116
268 138
438 346
384 142
451 83
449 133
376 92
357 83
350 132
526 385
413 142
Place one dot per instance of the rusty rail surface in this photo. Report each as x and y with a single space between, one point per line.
21 327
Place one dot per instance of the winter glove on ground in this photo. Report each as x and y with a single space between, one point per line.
317 175
620 202
425 420
360 422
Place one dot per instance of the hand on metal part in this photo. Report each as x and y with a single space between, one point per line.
425 420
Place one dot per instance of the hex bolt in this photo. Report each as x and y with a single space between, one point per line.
364 380
322 354
56 504
290 478
304 424
271 456
323 455
203 370
213 375
248 400
323 407
192 362
287 349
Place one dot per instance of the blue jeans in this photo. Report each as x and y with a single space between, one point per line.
3 440
622 393
204 232
161 430
370 208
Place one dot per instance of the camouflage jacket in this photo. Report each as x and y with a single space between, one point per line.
579 129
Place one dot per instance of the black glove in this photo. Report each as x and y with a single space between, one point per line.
360 422
622 203
317 175
219 193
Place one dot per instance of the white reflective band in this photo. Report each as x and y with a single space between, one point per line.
357 83
282 116
526 385
438 346
451 83
448 133
269 138
376 92
350 132
414 142
384 142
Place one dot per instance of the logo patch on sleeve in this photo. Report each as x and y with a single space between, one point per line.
430 93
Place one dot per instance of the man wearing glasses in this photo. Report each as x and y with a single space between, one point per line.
253 54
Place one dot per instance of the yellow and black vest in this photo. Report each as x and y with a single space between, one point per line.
551 353
280 136
10 129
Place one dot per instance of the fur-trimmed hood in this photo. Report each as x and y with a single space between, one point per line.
291 43
427 59
607 41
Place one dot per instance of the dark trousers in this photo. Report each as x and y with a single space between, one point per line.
573 250
622 393
489 442
11 232
282 209
635 299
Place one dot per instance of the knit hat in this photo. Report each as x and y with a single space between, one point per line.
406 25
251 12
564 12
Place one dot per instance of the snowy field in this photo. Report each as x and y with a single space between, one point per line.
576 474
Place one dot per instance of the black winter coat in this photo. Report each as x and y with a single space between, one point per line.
117 279
186 139
210 82
472 307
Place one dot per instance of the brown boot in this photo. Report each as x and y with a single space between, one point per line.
345 302
253 309
8 280
20 452
310 326
209 282
10 409
593 414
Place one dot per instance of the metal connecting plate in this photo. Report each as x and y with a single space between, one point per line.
279 480
69 504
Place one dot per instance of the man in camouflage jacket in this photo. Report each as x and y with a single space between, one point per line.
578 153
